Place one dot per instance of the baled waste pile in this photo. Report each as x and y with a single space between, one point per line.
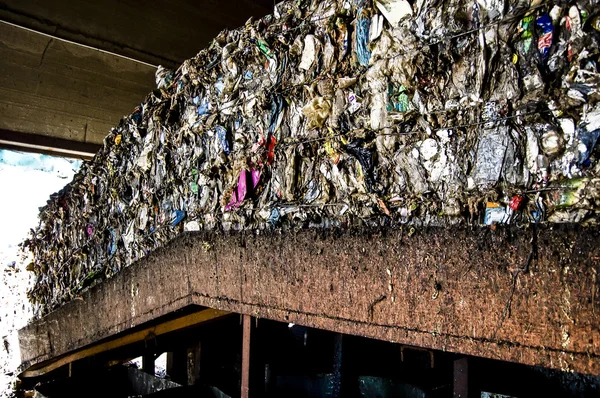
340 114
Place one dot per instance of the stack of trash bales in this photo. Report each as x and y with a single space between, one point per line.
343 114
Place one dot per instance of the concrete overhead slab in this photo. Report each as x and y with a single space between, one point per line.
52 88
159 32
527 295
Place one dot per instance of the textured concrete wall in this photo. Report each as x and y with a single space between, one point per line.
522 295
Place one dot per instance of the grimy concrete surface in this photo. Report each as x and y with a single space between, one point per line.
160 32
57 89
527 295
52 88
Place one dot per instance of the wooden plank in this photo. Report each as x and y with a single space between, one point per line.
141 335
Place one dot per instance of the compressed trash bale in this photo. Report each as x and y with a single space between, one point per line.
340 114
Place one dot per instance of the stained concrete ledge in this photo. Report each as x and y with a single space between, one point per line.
522 295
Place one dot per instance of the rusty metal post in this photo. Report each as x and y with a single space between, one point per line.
247 323
148 363
461 378
337 365
193 366
177 365
170 364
